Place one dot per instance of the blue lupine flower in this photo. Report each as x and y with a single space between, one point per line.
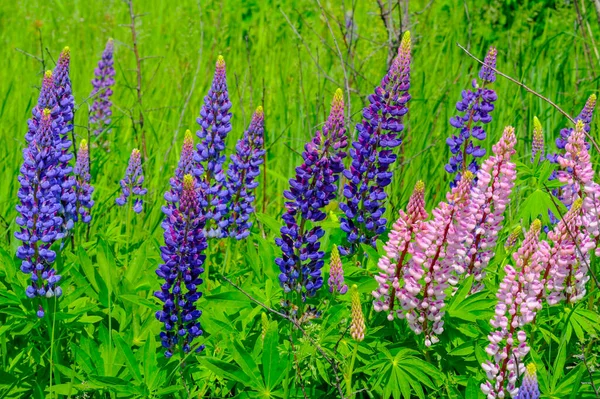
47 99
214 124
186 165
83 188
104 80
529 388
372 154
132 183
313 188
39 208
183 259
475 107
243 178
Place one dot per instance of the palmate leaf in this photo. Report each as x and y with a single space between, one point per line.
536 204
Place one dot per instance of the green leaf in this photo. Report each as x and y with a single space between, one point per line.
272 362
132 364
248 365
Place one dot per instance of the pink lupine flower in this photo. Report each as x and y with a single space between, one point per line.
436 258
517 306
395 258
336 274
489 198
357 325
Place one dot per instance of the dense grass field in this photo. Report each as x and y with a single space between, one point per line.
101 338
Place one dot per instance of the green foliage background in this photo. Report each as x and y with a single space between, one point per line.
109 276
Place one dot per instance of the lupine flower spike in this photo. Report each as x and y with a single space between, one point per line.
243 178
537 147
475 107
372 154
436 261
183 260
186 166
336 274
83 187
313 188
132 183
517 306
393 263
512 238
489 200
46 100
529 387
39 208
215 124
104 80
357 325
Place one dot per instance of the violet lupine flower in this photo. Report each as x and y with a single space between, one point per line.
62 143
393 263
585 116
537 147
104 80
336 274
40 221
517 306
313 188
437 255
529 387
83 188
214 124
183 260
132 183
243 178
186 165
476 105
357 324
489 198
372 154
47 99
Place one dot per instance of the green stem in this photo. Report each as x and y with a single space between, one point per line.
349 391
52 345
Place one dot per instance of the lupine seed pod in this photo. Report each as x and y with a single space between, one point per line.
529 387
39 208
132 183
537 148
476 105
183 257
336 273
104 80
395 260
372 155
83 187
357 325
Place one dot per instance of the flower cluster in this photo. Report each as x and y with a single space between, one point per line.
437 255
313 188
132 183
185 166
489 198
336 274
183 260
104 80
46 100
243 177
394 262
537 147
40 221
83 188
584 116
357 324
529 387
372 154
475 107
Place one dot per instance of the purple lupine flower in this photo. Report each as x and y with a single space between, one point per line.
183 259
104 79
336 274
313 188
585 116
476 105
186 165
47 99
537 147
83 187
243 177
529 387
132 183
40 220
215 124
372 154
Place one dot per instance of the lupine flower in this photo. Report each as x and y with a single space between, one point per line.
394 262
83 187
529 387
476 105
62 143
517 306
215 124
104 80
512 238
585 116
183 260
336 274
537 147
40 222
437 256
357 325
185 166
132 183
313 188
372 154
489 199
243 177
47 99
